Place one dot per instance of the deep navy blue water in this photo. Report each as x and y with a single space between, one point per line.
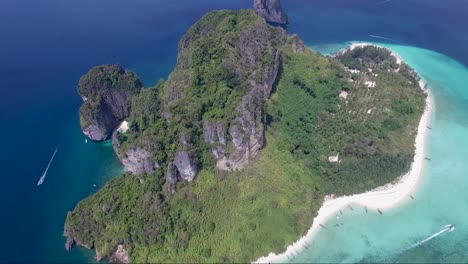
45 46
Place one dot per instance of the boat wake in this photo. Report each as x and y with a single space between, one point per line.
384 38
44 174
383 2
444 229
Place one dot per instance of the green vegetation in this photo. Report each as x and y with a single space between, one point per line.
240 216
104 77
373 129
88 111
146 126
362 57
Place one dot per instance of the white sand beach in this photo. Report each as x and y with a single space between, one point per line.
382 198
123 127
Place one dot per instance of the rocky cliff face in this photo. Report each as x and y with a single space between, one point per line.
136 160
172 178
248 127
271 11
182 167
72 241
252 63
183 162
215 134
106 91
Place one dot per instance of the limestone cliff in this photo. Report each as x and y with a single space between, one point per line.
248 68
271 11
136 160
106 91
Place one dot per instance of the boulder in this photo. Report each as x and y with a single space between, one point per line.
136 160
139 161
183 162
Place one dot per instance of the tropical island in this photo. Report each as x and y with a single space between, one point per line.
231 157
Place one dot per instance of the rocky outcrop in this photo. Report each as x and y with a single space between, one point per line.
72 241
297 44
271 11
248 129
69 244
171 178
250 66
136 160
106 91
182 167
139 161
97 256
183 162
120 254
215 134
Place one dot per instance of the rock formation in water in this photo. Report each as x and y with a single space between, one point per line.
211 116
106 91
271 11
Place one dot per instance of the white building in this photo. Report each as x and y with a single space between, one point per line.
334 158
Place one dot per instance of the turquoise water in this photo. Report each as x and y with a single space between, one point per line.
47 45
441 198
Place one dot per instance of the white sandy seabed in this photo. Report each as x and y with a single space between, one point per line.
385 197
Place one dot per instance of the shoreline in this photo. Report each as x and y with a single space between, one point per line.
387 196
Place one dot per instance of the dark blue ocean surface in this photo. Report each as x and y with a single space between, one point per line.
47 45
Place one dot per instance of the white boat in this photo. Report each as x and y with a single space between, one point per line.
41 180
44 174
450 228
